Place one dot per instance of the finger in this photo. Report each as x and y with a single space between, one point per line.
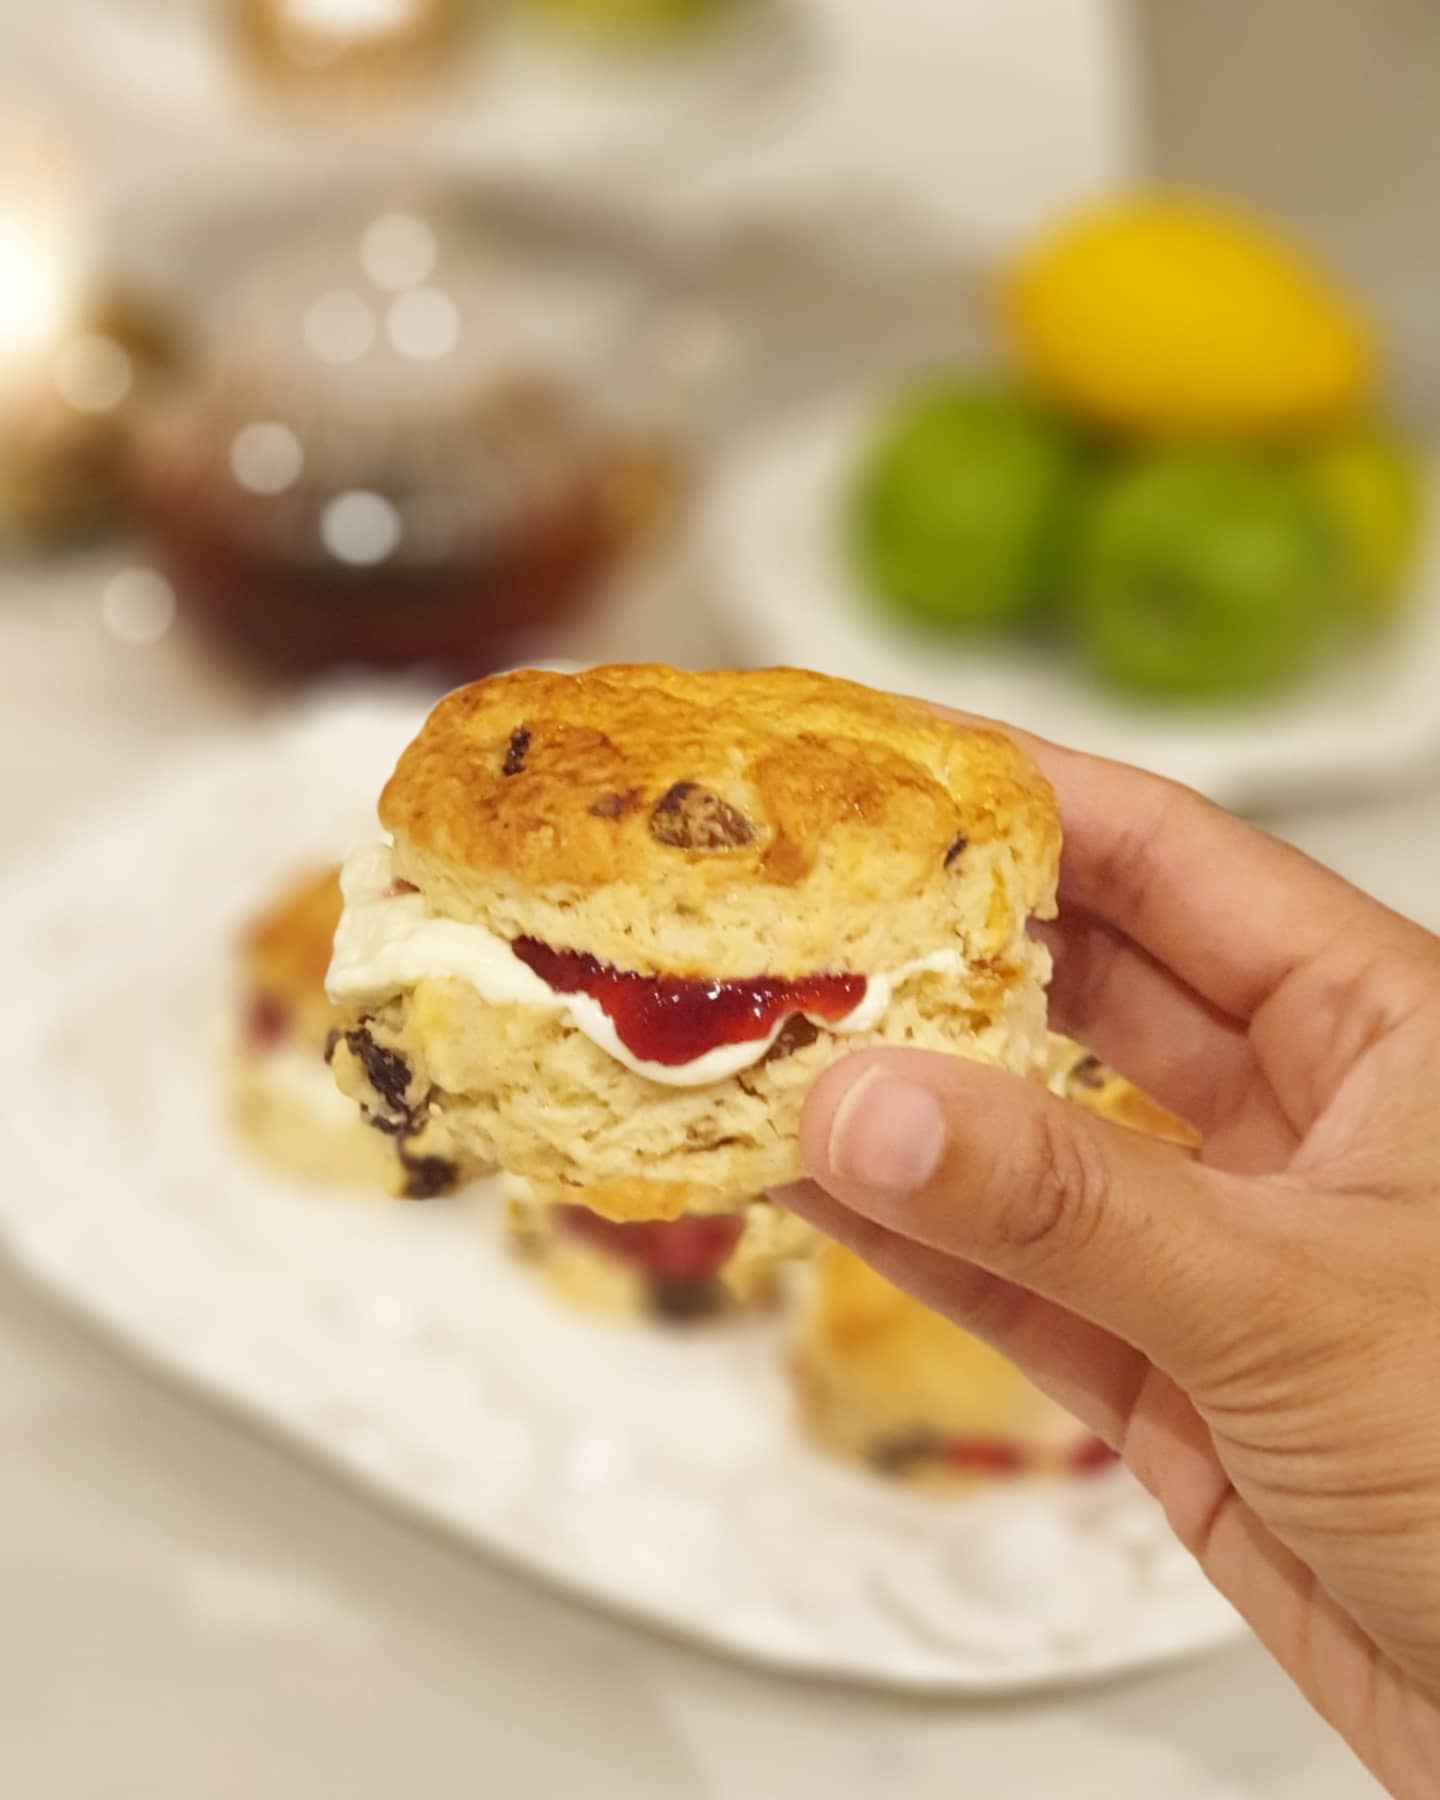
1083 1368
1119 1002
1165 1442
1160 1034
1127 1233
1230 909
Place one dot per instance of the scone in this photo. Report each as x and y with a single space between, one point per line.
1070 1070
628 915
282 1099
676 1271
884 1381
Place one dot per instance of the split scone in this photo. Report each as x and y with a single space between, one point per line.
629 914
283 1100
884 1381
675 1271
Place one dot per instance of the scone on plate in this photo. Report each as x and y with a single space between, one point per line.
628 915
675 1271
282 1098
883 1381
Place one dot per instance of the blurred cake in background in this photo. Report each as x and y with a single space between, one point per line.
282 1099
881 1380
388 466
357 49
677 1272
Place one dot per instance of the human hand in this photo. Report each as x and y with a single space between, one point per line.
1256 1331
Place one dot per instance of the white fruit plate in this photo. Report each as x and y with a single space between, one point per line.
660 1475
773 534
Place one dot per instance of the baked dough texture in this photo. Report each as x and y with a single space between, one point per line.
723 825
275 1079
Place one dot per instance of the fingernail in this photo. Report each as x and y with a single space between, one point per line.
887 1133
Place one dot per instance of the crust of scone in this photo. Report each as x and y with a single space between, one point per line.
726 823
873 1367
1071 1071
285 950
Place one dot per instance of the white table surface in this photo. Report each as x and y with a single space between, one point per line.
190 1612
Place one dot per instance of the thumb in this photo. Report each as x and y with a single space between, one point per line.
1124 1231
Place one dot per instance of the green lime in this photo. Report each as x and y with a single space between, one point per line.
621 19
1372 484
962 504
1204 573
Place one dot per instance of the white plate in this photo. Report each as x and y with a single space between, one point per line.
658 1475
772 534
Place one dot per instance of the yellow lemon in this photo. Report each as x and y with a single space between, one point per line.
1177 317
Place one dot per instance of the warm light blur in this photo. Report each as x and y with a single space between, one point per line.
42 251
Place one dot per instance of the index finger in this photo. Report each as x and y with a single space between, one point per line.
1229 909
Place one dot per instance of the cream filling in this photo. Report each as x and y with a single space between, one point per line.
387 942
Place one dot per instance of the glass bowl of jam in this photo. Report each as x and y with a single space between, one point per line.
398 458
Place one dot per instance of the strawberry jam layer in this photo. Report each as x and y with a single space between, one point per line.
693 1249
267 1022
672 1020
996 1457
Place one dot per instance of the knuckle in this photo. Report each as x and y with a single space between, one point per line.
1059 1191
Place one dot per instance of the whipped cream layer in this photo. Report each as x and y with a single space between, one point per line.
387 941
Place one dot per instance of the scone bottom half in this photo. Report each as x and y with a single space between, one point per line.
626 917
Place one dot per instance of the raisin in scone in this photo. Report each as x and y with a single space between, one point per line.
283 1100
628 915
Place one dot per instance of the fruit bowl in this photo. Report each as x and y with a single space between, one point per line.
774 532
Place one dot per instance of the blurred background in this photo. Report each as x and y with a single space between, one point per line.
1074 364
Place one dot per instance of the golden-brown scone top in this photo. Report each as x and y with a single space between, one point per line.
777 790
285 951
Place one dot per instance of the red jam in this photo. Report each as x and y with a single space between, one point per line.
267 1022
985 1456
1093 1456
672 1020
690 1249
